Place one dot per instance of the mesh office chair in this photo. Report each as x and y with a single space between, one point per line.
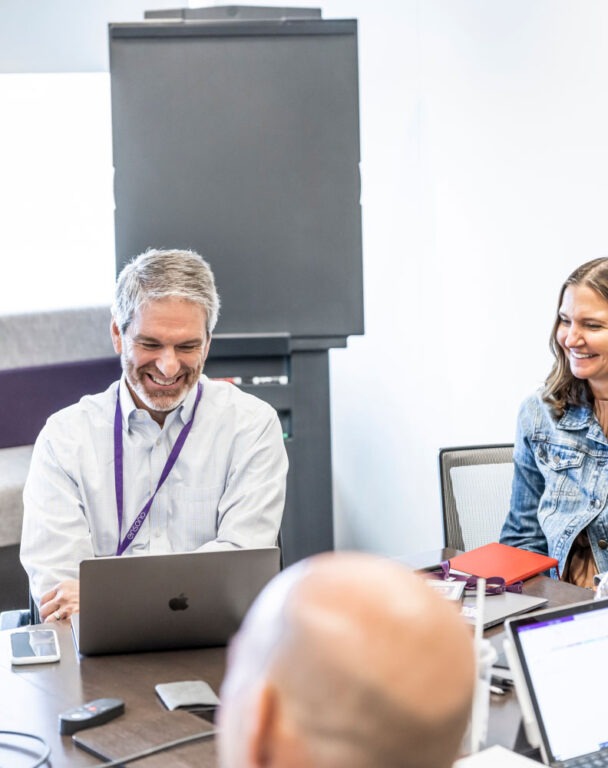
475 493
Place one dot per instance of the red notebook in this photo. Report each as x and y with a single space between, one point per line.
512 563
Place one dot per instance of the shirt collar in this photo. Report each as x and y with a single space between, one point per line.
129 409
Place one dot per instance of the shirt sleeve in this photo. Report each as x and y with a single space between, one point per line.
251 508
522 527
55 536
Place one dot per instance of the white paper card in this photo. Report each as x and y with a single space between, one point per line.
187 693
495 757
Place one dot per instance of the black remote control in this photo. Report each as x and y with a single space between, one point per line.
90 714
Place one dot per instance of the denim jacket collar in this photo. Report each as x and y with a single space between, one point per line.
578 417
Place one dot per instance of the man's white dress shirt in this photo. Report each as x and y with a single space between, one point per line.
226 489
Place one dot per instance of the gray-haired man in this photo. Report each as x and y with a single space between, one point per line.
93 488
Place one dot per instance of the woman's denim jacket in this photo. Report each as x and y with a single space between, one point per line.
560 482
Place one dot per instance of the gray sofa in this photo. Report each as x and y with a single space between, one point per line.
47 361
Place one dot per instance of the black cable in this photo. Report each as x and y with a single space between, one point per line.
153 750
43 757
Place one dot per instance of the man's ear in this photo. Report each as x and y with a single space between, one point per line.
265 729
116 337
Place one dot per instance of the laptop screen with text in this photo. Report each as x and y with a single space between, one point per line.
563 655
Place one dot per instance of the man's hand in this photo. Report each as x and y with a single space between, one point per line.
60 602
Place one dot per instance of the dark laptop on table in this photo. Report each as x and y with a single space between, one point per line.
559 660
161 602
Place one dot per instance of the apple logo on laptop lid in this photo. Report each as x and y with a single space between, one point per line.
179 603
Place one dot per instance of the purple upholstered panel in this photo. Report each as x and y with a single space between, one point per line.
30 395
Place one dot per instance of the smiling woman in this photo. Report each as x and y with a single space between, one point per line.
582 333
560 486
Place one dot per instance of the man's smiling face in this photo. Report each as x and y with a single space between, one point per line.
163 352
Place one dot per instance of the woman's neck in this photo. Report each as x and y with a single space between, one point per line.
599 392
600 408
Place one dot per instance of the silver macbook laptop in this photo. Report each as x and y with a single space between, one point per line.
160 602
497 608
558 659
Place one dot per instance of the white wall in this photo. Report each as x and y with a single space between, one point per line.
63 35
485 172
485 178
56 199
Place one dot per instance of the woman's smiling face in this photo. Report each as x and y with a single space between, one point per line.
583 335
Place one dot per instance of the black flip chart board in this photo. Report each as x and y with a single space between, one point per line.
241 140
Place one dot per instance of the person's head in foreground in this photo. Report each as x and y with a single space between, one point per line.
347 659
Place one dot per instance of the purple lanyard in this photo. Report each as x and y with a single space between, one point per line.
118 470
495 585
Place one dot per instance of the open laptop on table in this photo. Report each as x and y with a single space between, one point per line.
160 602
559 662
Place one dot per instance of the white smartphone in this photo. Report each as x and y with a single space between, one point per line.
34 646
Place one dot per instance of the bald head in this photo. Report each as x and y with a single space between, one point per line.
347 660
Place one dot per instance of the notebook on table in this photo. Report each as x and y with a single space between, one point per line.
495 559
161 602
131 734
558 659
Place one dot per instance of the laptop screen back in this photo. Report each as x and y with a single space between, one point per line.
160 602
563 655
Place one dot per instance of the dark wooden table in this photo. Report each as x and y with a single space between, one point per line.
32 697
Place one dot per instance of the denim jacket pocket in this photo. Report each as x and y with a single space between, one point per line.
559 457
562 467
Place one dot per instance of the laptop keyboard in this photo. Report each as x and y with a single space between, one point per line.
594 760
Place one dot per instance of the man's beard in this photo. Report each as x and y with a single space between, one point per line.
167 399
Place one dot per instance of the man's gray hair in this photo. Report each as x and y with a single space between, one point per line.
160 274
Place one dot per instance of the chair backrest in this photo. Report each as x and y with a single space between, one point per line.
475 492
